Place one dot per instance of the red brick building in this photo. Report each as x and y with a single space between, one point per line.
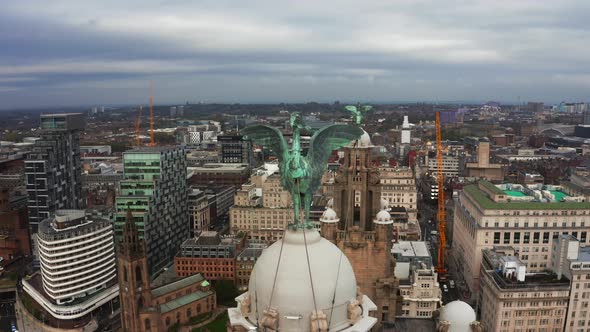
211 255
15 239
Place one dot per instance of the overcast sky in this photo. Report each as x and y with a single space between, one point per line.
57 53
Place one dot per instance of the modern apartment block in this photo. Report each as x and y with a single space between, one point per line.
53 168
418 282
526 218
155 189
78 271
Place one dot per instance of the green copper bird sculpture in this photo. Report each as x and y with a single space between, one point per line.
301 175
357 112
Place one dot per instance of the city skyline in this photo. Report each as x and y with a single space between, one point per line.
71 54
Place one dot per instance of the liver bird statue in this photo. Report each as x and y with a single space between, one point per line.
358 112
301 175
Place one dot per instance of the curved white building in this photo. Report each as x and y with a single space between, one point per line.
78 269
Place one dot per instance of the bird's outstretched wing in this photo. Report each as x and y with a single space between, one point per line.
351 108
323 142
269 137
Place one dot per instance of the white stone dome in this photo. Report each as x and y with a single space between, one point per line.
459 315
363 142
383 217
332 274
329 216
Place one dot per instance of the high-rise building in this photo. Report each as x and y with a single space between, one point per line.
235 149
524 217
398 187
53 168
78 271
450 165
406 132
154 188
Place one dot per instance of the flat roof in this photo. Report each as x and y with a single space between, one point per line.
514 193
411 249
485 202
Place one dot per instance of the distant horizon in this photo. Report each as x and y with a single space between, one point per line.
402 102
72 53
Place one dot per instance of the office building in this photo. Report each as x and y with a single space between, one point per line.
513 298
398 187
53 169
78 273
262 208
450 165
155 190
235 149
210 254
526 218
418 282
245 263
201 210
158 304
220 174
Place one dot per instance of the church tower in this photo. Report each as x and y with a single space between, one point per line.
133 276
356 188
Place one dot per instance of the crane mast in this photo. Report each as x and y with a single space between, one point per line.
152 141
441 212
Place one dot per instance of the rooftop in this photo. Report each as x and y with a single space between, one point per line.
151 149
410 249
485 202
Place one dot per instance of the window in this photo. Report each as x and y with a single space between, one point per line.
516 238
506 237
545 237
147 324
536 236
496 237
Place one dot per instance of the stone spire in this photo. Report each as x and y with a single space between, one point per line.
131 245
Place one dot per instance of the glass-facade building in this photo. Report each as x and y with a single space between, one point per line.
155 189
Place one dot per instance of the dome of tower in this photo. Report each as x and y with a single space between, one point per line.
459 315
363 142
383 217
282 280
329 216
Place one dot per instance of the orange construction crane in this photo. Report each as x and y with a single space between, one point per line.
442 213
152 141
138 127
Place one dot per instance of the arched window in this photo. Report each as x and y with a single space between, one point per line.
198 308
188 313
178 317
167 321
147 324
139 303
138 275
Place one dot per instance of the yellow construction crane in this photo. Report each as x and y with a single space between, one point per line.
441 213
